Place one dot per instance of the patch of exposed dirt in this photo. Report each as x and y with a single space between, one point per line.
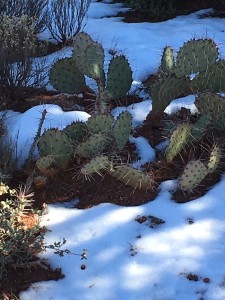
21 278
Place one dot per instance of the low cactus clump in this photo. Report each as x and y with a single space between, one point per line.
68 74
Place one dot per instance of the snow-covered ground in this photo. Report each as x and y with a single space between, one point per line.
126 259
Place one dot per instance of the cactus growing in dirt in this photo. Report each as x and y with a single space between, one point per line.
57 143
132 177
194 172
96 165
197 56
88 59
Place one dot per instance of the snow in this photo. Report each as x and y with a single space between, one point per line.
126 259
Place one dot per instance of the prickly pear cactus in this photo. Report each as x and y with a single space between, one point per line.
194 172
81 41
91 62
213 104
167 89
213 79
100 123
66 77
200 127
46 164
214 159
167 61
96 165
56 142
93 146
195 56
122 129
119 77
76 131
132 177
178 140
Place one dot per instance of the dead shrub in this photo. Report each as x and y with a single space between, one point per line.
65 18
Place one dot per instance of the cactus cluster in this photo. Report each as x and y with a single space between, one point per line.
68 74
198 57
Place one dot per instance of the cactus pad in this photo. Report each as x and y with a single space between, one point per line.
46 164
97 164
214 159
122 129
213 79
167 61
200 127
167 89
81 41
93 146
100 123
178 140
132 177
66 77
56 142
194 172
119 77
76 131
213 104
195 56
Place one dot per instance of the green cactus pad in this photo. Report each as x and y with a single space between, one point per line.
167 61
66 77
213 104
91 63
214 159
194 172
96 165
178 140
200 127
122 129
132 177
56 142
195 56
100 123
76 131
46 164
119 77
81 41
167 89
213 79
93 146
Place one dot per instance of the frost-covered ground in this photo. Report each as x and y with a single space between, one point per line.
125 259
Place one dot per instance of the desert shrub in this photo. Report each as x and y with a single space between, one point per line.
36 10
18 244
65 18
8 155
154 8
18 44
